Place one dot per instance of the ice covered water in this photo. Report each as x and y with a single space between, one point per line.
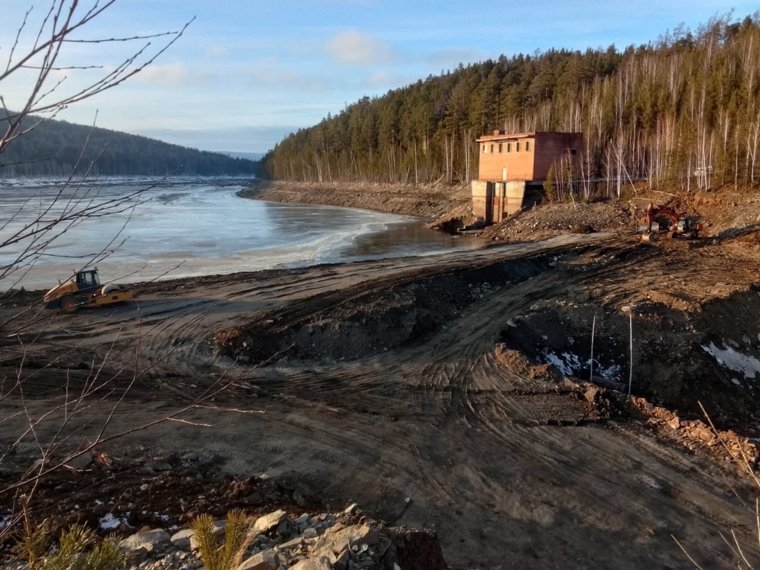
194 227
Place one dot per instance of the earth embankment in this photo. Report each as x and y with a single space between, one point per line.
423 200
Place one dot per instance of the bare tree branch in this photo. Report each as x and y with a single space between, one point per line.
58 27
30 230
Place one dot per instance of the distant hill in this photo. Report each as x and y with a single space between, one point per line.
247 155
54 148
682 110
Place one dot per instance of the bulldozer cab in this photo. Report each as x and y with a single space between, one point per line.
87 280
83 289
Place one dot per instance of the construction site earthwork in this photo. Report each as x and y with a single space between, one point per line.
567 395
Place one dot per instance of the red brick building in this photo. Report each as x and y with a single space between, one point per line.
513 167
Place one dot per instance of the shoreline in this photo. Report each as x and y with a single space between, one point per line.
425 200
133 270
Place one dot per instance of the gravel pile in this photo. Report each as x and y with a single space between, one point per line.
553 219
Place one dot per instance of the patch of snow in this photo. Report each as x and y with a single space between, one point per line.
560 362
570 364
111 522
5 521
612 372
734 360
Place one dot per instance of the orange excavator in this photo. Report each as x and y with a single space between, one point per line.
663 221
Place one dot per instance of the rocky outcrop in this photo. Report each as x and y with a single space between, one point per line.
146 543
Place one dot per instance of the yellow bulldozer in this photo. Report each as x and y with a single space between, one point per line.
83 289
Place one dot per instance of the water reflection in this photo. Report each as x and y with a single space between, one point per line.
406 238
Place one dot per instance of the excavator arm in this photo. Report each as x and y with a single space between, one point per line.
664 219
659 213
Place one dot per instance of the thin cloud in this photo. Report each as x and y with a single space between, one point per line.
170 75
379 79
216 50
284 79
453 57
353 47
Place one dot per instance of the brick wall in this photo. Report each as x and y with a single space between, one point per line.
495 156
537 152
551 147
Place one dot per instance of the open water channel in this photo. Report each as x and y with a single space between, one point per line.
183 227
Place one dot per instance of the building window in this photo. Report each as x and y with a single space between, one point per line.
500 148
484 149
491 148
517 146
509 147
527 146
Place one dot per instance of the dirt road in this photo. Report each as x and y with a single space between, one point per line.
378 382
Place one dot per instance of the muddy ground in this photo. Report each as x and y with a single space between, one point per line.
448 392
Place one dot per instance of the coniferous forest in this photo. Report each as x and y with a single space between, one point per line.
58 148
684 110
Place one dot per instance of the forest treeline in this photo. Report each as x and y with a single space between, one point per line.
58 148
684 109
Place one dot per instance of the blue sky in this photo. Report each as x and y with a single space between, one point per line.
247 73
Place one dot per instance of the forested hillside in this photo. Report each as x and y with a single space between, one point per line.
56 148
683 109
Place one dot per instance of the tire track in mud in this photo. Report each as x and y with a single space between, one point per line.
470 344
502 404
490 459
453 402
481 397
459 364
230 299
466 408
